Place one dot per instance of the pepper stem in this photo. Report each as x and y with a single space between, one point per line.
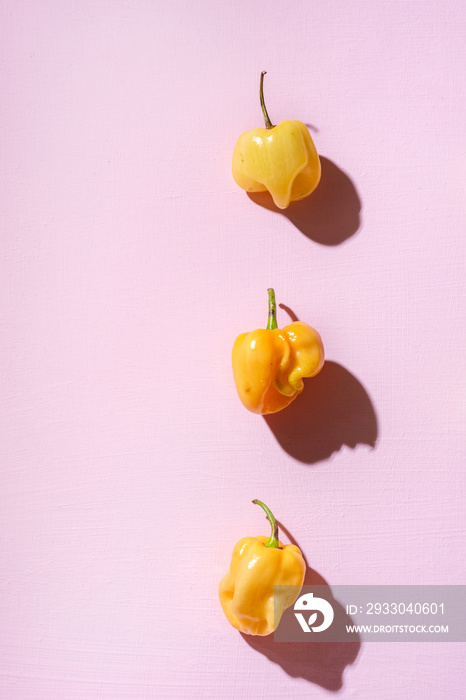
273 541
268 123
272 322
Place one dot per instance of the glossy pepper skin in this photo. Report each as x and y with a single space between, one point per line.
257 565
269 364
281 159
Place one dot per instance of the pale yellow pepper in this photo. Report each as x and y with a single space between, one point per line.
269 364
281 159
247 594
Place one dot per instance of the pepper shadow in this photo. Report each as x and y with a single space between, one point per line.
333 410
330 215
322 663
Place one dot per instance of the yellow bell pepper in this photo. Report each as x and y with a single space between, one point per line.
247 591
269 364
281 159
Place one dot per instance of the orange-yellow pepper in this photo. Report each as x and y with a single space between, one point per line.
269 364
281 159
258 564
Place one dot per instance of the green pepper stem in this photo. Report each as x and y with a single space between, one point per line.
272 321
273 541
268 123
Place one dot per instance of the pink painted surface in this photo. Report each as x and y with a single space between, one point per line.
130 261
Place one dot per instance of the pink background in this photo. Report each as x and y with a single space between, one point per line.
130 261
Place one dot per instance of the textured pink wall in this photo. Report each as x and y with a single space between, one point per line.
130 261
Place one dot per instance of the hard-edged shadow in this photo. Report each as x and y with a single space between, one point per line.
322 663
330 215
333 410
